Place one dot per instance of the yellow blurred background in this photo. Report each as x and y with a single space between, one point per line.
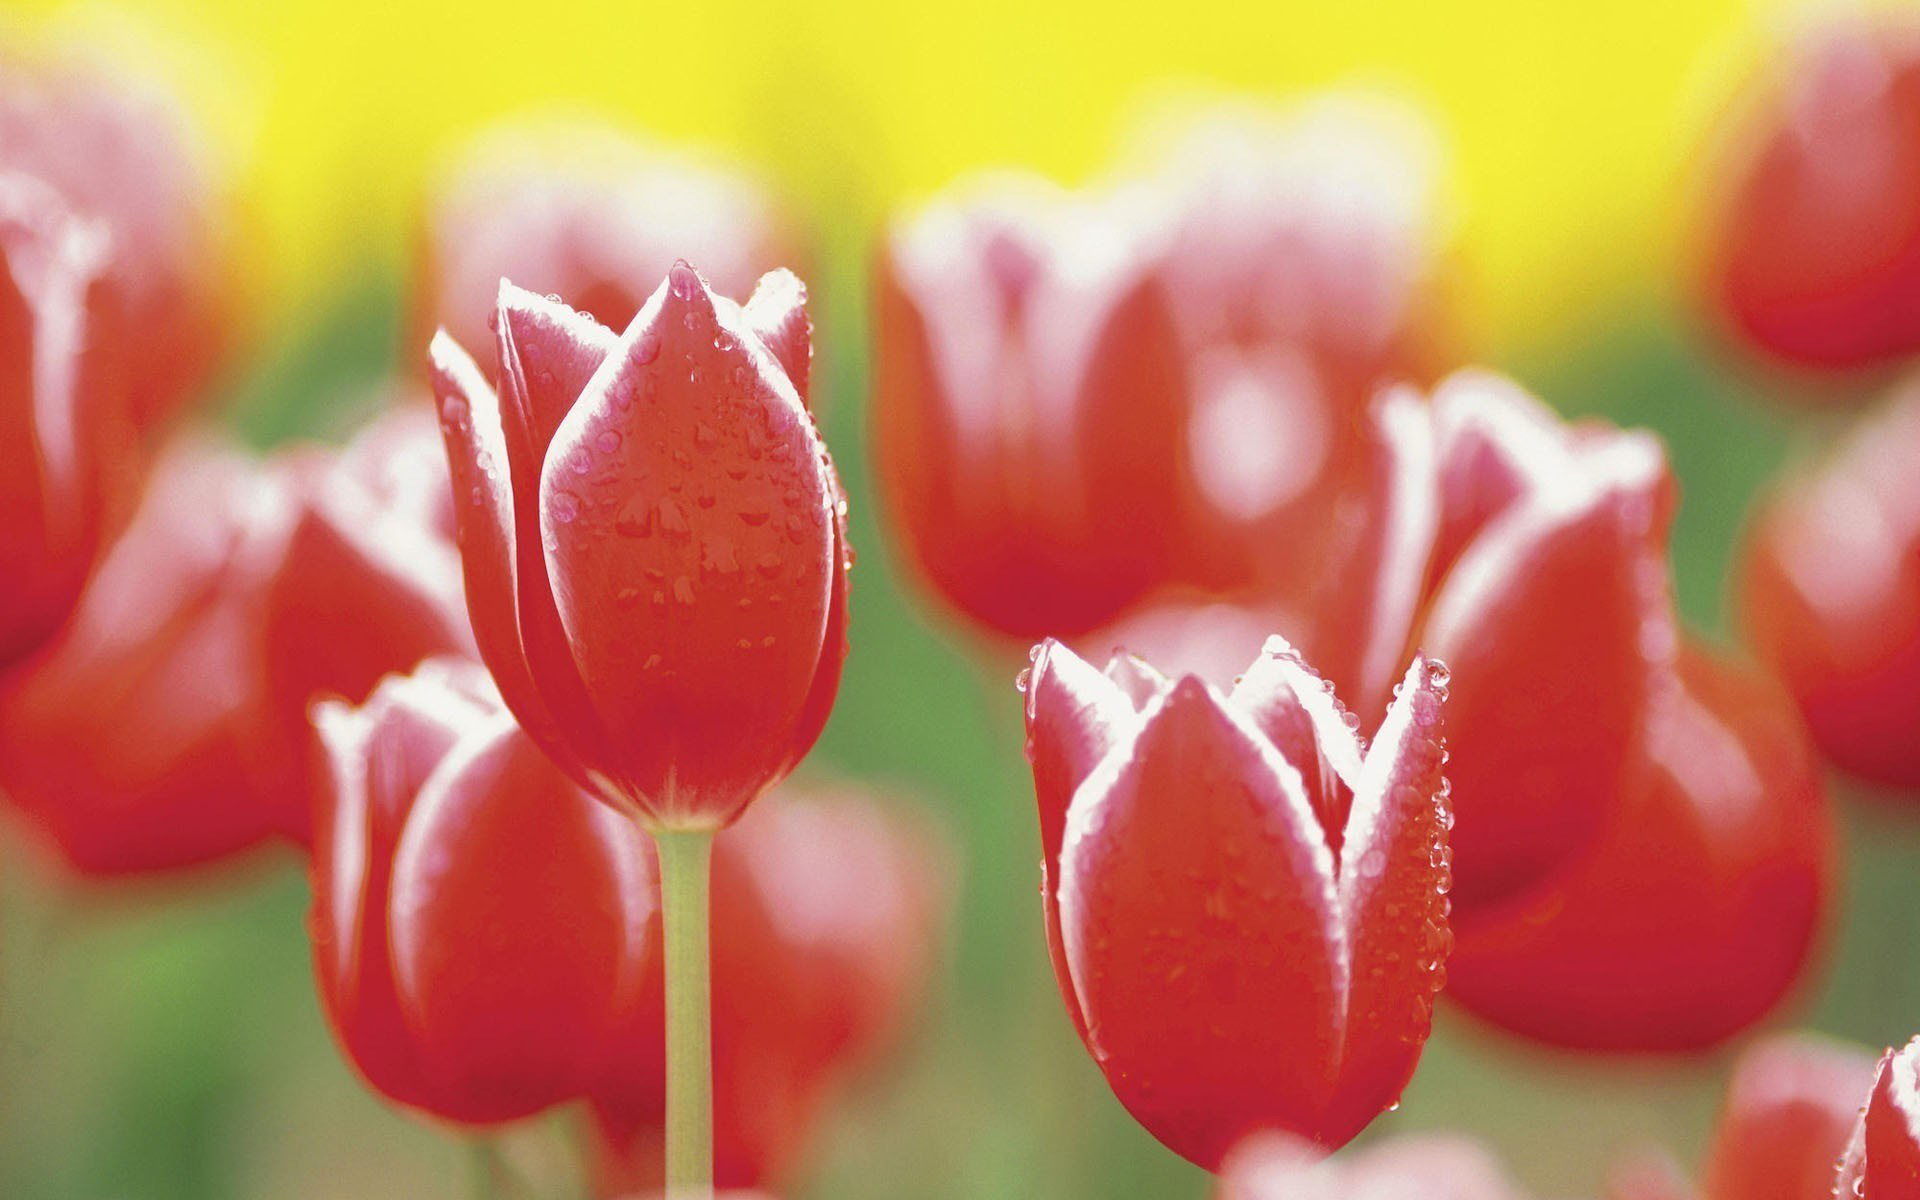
1567 127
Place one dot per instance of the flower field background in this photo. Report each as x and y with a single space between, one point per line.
162 1039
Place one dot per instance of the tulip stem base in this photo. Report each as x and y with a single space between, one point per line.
686 859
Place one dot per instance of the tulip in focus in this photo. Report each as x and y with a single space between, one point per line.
1830 593
582 210
168 724
1813 238
653 541
1246 906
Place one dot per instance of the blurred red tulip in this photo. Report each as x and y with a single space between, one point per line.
119 151
1789 1110
1698 910
1830 593
168 724
64 434
478 923
1306 263
1882 1160
1030 404
1812 246
581 210
1650 1176
1271 1166
654 541
825 913
1201 849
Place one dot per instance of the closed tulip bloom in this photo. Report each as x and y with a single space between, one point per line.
1247 907
653 541
1882 1161
1029 410
826 912
1812 241
1273 1166
119 151
1698 910
478 922
579 209
1830 594
63 432
168 724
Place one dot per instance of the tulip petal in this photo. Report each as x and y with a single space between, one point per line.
1394 879
1551 622
1201 929
1076 716
777 314
548 352
689 521
1882 1160
1296 709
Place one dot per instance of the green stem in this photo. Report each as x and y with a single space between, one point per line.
685 861
485 1157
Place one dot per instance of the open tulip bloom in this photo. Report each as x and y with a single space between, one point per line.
653 538
1246 906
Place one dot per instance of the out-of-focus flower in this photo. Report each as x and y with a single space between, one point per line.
1882 1160
64 433
1273 1166
479 924
1083 399
1030 409
167 725
1812 244
1830 594
1305 257
1699 908
654 541
581 210
1791 1108
1246 906
487 935
120 152
826 912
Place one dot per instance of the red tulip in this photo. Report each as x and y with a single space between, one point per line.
62 431
1030 405
1201 849
1882 1160
653 541
1306 267
119 151
1788 1113
1273 1166
1698 910
1647 1176
1830 593
825 913
478 923
583 211
1813 242
168 724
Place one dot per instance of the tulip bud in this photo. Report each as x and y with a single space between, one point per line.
1200 849
654 541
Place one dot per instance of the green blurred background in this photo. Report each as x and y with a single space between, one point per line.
162 1041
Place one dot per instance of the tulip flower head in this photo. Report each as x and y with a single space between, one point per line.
1247 908
653 538
1274 1166
1830 593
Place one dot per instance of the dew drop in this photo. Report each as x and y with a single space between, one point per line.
565 507
607 441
